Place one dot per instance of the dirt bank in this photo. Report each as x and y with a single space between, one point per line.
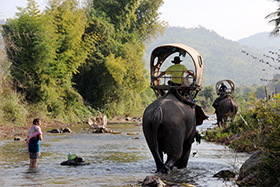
7 131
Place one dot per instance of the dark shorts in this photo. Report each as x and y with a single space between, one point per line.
34 155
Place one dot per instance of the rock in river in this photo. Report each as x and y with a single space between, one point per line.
78 161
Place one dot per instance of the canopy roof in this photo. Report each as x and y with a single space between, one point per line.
230 87
161 53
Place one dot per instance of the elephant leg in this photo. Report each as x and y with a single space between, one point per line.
158 157
183 161
159 162
157 154
218 116
169 164
224 121
174 153
219 120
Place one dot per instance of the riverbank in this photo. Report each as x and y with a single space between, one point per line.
8 131
255 131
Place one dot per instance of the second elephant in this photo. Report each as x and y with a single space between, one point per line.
225 107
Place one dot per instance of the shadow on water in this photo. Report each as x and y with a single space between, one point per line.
115 160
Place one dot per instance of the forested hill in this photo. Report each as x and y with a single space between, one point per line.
223 59
263 42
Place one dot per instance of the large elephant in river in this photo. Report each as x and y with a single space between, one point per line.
169 127
225 107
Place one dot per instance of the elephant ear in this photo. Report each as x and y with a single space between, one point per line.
200 116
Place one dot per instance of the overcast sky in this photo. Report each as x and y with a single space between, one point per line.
232 19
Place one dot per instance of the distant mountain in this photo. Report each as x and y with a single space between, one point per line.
263 42
223 58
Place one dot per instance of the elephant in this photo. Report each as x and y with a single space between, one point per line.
225 107
169 127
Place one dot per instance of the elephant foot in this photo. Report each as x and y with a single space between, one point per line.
165 170
182 164
181 167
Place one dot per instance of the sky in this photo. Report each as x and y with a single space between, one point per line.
231 19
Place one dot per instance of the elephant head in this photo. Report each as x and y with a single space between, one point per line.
200 115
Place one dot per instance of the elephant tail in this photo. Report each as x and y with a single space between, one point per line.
157 120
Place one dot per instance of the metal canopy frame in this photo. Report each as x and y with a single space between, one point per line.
229 91
161 53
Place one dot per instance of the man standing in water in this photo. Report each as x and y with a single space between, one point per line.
34 137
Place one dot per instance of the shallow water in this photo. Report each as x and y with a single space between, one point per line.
115 160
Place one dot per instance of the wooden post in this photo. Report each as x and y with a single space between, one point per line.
265 92
243 120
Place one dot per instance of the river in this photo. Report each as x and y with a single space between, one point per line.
119 160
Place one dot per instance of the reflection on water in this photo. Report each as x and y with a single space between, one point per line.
115 160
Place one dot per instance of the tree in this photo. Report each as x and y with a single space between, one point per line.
71 50
206 98
30 48
45 51
147 23
275 18
113 78
119 12
260 92
274 85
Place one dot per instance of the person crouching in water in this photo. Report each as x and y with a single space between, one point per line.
34 137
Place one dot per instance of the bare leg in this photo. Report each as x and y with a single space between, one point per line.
33 163
30 165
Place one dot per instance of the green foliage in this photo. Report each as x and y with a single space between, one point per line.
120 13
260 92
114 79
126 96
26 48
12 111
116 68
71 51
206 98
274 85
45 51
275 19
98 50
147 23
257 130
12 108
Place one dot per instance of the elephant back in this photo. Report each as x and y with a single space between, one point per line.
228 104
